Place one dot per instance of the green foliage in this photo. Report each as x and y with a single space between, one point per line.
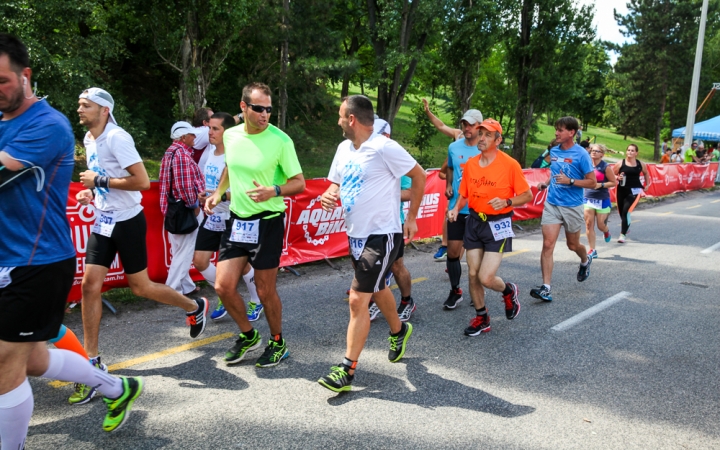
424 132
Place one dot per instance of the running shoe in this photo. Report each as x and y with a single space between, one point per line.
584 271
243 344
119 408
453 299
441 254
592 253
84 393
621 240
389 278
607 236
197 319
512 303
479 324
399 341
254 311
219 312
338 380
274 353
541 293
374 311
406 309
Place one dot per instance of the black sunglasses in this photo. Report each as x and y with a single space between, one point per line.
259 109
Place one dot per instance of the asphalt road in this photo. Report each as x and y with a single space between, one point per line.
642 373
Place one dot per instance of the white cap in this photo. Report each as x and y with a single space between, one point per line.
102 98
472 116
180 129
380 126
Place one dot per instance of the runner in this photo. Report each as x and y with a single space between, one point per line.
597 201
37 256
630 187
492 184
262 167
365 174
458 154
212 164
113 180
571 170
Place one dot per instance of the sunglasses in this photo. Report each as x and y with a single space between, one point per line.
259 109
596 151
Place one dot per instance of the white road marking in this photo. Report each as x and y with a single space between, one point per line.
711 249
576 319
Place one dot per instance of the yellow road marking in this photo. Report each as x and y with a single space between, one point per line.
395 286
665 213
715 201
157 355
516 252
693 207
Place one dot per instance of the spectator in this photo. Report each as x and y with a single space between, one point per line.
690 154
664 146
201 121
676 157
700 152
578 136
666 155
714 154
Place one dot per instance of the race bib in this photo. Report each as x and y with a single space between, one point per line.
215 222
104 224
636 191
502 229
594 203
357 246
245 231
5 279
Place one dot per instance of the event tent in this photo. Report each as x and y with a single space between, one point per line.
706 131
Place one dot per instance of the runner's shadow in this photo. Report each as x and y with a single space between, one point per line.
625 259
198 373
88 428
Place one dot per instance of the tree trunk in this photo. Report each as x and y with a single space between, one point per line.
349 52
659 122
524 108
284 59
465 89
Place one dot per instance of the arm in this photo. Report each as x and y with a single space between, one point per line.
588 182
442 173
646 174
417 190
501 203
138 180
449 182
405 195
330 197
460 204
10 162
437 123
610 176
293 185
215 198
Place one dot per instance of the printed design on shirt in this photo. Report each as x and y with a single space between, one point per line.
212 176
351 185
94 165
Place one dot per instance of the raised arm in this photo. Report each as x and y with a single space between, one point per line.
437 123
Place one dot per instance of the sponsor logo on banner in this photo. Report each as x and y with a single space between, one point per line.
428 207
318 224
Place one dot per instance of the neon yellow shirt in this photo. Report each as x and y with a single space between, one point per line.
268 158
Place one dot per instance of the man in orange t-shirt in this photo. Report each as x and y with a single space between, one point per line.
491 185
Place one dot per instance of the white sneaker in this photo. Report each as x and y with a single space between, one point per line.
621 240
374 311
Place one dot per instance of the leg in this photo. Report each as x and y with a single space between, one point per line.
477 292
455 251
249 278
182 248
16 401
550 236
402 277
141 286
92 306
602 222
67 340
590 226
359 325
266 282
488 271
623 206
573 243
386 302
228 277
444 241
201 261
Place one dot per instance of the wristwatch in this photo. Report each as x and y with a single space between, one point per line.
572 182
508 202
277 191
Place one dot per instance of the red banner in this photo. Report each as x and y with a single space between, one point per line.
312 234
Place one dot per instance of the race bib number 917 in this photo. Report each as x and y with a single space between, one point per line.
502 229
245 231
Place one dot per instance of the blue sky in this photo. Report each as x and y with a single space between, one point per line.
607 27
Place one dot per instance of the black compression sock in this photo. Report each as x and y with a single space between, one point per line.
481 312
454 271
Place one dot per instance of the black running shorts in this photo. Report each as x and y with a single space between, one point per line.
377 256
127 239
456 230
479 234
265 254
32 306
207 240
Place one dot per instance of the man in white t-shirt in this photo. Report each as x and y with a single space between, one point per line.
209 236
365 174
113 180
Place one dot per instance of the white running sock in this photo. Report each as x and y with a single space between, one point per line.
65 365
250 282
16 408
209 273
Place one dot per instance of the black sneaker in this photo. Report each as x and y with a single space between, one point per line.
243 345
197 319
406 309
398 342
541 293
584 271
453 299
274 353
338 380
479 324
512 304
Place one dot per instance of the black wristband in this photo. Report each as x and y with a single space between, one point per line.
277 191
223 197
102 181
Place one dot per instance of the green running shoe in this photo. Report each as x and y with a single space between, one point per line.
398 342
243 344
338 380
119 408
274 353
84 393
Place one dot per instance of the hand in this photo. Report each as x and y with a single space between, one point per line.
452 214
203 196
329 200
409 229
561 178
497 203
210 203
449 192
261 193
425 105
542 186
84 197
87 179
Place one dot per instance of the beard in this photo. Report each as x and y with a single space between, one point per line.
14 102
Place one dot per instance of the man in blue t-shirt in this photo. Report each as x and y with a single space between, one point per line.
37 256
458 154
571 170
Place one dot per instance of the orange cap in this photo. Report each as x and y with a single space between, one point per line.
492 125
